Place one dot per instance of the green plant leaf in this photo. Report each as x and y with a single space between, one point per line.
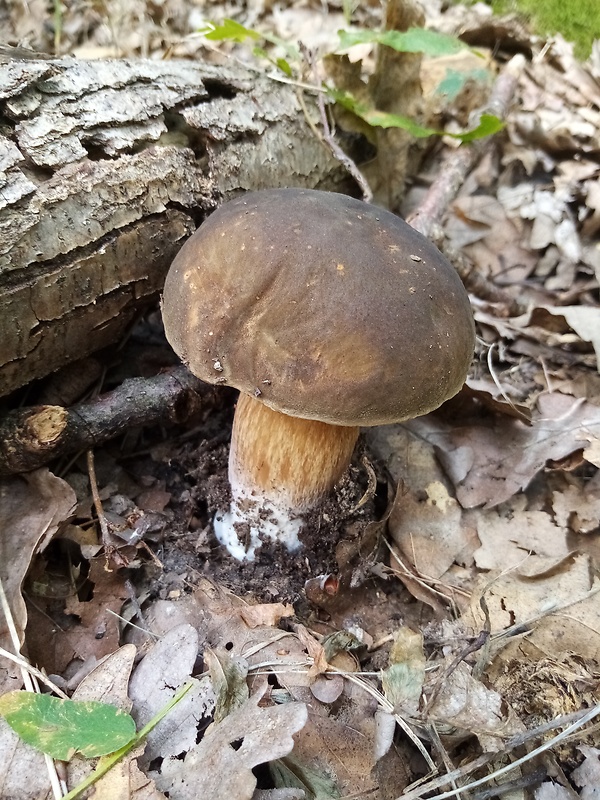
414 40
231 30
62 728
285 67
488 124
280 63
379 119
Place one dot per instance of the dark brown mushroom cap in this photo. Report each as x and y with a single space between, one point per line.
323 306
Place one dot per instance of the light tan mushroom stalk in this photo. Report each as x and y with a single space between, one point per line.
280 467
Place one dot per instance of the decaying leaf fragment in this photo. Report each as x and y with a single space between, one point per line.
587 776
488 467
165 668
403 679
464 703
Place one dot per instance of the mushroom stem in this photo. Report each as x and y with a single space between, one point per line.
279 467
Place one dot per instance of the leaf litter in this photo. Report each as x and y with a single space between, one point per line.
475 626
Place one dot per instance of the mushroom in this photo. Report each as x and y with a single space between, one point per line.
327 314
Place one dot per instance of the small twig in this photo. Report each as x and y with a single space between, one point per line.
371 484
455 167
581 718
472 647
111 552
25 665
424 580
525 625
594 712
525 781
329 137
31 437
458 163
309 120
496 380
439 746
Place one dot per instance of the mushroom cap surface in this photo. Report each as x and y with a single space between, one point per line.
322 306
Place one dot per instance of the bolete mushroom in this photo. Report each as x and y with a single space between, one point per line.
327 314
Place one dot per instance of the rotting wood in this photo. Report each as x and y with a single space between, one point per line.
31 437
105 168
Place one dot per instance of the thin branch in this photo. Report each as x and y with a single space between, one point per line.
458 163
111 553
31 437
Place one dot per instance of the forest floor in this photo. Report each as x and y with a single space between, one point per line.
440 629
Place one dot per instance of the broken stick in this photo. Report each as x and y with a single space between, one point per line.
31 437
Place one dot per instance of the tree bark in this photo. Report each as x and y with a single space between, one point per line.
105 168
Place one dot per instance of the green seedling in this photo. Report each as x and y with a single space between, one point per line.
412 41
488 123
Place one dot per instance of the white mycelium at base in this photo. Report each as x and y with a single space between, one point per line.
280 467
251 521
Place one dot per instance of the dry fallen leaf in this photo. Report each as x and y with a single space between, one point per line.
553 791
402 680
108 683
158 676
32 507
266 614
466 704
559 613
587 775
512 538
578 505
488 464
220 766
428 527
23 772
98 632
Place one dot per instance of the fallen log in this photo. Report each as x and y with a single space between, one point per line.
105 168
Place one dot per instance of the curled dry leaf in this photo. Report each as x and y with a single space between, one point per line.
32 507
327 688
266 614
467 705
